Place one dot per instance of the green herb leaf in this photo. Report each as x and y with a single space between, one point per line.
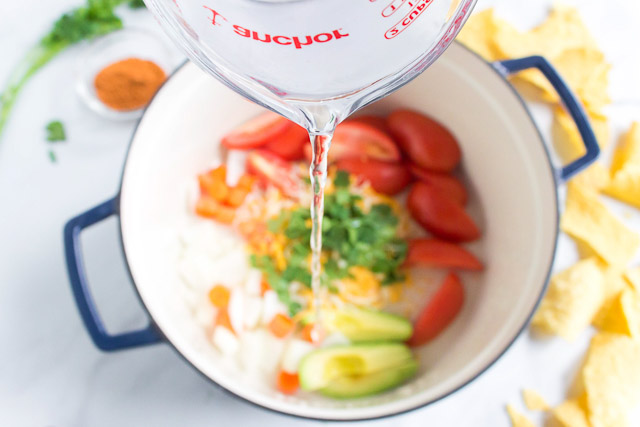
341 179
55 131
52 156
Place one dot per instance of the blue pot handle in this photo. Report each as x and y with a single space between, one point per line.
77 276
570 102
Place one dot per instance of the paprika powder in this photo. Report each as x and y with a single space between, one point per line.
128 84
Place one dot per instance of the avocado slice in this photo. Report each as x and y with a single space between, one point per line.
358 370
362 324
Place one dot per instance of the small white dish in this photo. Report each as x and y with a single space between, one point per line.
116 46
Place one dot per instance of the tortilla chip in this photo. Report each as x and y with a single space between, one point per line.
623 316
573 298
534 401
588 220
594 90
625 186
611 376
572 413
562 30
628 150
625 168
478 34
594 178
614 283
633 277
586 72
566 138
518 419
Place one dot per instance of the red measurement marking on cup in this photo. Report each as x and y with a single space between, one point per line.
392 8
215 16
409 18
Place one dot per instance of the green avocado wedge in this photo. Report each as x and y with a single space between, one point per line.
363 325
352 371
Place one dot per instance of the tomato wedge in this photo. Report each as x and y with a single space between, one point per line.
290 144
385 178
377 122
256 132
439 312
440 215
448 185
426 142
353 140
441 254
271 169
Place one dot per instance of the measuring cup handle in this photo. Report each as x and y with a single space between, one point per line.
79 285
570 101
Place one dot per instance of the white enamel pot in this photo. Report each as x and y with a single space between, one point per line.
514 197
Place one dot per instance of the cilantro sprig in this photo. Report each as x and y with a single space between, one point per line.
94 19
351 237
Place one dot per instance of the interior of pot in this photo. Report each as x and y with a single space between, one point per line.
513 197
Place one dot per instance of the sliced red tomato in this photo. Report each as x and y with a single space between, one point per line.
440 215
439 312
441 254
271 169
426 142
256 132
353 140
448 185
377 122
385 178
290 144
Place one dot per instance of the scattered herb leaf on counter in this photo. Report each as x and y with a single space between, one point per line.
55 131
52 156
94 19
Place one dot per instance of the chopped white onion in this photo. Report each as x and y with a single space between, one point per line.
252 311
294 351
225 341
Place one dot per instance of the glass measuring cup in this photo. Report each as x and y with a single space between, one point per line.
313 61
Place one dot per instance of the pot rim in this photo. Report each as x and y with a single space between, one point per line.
556 181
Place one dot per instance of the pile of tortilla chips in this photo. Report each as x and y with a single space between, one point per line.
601 289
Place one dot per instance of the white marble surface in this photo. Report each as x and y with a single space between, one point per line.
50 372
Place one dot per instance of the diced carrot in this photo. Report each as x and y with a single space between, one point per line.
213 187
236 196
207 207
219 296
281 325
311 334
222 319
264 287
210 208
220 173
288 383
246 182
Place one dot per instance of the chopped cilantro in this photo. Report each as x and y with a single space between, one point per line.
55 131
52 156
351 237
341 179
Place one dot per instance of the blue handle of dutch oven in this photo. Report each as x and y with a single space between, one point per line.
79 285
570 102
